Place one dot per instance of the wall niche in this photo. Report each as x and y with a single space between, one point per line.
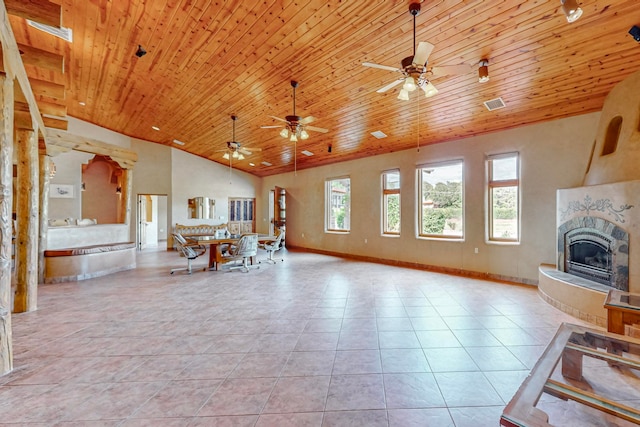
102 180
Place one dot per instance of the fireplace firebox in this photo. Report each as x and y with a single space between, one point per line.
595 249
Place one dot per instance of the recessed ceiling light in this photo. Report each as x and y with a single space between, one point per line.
251 164
266 164
82 103
155 128
176 141
379 134
307 153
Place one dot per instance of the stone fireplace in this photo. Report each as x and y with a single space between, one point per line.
598 223
594 249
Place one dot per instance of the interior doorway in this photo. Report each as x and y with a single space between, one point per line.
151 223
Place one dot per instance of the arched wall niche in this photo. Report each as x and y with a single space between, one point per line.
102 181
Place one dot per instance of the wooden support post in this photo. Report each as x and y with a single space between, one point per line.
124 209
27 216
45 178
6 231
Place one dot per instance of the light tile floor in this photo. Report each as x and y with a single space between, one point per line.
313 341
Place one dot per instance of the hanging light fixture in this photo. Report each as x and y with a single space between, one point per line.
225 156
429 89
483 71
571 10
409 84
403 95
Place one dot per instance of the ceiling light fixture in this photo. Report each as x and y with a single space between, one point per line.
155 128
571 10
429 89
483 71
140 52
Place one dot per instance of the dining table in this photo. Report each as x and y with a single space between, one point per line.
216 246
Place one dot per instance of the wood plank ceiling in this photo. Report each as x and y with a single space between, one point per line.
207 60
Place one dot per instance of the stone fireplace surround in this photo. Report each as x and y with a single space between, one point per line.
606 212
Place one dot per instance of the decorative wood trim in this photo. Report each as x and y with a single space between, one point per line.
63 140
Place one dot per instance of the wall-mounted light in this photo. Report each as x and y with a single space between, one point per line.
82 187
118 190
571 10
483 71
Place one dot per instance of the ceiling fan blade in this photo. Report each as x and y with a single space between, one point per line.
244 151
389 86
422 53
270 127
382 67
315 129
306 120
278 118
451 70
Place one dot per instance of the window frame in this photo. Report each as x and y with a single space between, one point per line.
328 201
385 194
419 207
491 184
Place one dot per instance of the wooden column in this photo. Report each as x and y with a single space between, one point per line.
45 179
6 231
124 210
28 218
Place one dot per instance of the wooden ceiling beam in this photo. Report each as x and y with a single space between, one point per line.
44 88
15 68
40 58
42 11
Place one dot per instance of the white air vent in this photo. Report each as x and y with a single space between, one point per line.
379 134
266 163
307 153
494 104
63 33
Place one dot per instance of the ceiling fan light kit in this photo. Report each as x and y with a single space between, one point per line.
415 70
571 10
295 127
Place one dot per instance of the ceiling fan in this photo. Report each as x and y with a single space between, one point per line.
234 149
295 127
415 72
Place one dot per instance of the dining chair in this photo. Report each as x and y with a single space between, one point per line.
189 251
244 250
271 247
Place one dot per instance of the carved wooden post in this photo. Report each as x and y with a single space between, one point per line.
27 216
45 179
6 231
124 211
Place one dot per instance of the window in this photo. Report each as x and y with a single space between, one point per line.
338 203
504 194
391 202
441 200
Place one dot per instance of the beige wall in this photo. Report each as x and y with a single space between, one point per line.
553 155
193 176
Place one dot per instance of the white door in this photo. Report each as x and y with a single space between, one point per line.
142 221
